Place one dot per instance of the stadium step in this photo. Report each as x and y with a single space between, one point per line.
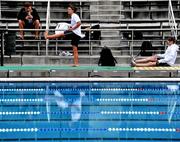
66 60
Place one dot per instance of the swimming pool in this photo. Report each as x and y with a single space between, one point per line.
89 109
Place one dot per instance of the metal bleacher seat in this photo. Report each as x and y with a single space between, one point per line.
31 48
92 12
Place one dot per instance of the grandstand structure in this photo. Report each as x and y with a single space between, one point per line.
149 19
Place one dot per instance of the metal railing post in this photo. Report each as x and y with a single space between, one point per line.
56 47
2 48
81 11
172 21
132 43
0 12
47 24
90 41
0 9
90 44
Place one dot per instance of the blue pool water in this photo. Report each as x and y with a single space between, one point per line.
92 111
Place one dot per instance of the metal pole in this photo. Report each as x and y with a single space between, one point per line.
2 48
0 11
89 40
132 44
47 24
81 11
56 47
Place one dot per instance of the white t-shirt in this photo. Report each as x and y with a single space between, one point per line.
170 55
74 19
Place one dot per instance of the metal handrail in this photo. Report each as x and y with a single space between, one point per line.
47 24
89 0
0 13
172 21
123 30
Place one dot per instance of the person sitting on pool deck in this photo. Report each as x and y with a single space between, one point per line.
166 59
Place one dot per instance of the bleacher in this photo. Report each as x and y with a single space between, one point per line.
114 17
56 16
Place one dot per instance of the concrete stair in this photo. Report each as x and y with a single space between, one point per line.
59 60
109 11
106 10
65 60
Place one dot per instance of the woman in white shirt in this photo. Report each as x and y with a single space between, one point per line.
73 33
166 59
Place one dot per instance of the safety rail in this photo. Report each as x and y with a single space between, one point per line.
172 21
101 21
48 21
90 0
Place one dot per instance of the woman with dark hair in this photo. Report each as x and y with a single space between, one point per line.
166 59
106 58
73 33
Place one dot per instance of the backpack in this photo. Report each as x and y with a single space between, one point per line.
10 43
146 49
106 58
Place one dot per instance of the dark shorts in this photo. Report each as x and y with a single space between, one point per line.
29 25
74 38
162 64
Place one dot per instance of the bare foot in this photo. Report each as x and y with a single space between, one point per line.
133 63
133 59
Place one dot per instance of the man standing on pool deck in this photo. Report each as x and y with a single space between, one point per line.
74 32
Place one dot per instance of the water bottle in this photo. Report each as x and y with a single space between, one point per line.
29 20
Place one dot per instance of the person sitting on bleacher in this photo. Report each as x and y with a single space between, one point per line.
28 18
73 33
166 59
